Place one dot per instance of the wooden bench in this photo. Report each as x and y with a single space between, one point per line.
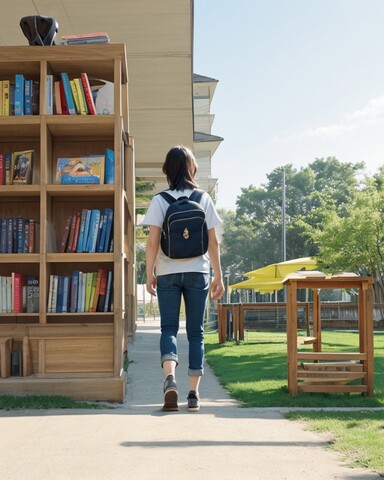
5 356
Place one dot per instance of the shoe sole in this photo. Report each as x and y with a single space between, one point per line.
170 401
193 409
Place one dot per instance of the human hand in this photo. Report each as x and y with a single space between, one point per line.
216 288
151 285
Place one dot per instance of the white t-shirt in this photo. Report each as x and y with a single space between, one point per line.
155 216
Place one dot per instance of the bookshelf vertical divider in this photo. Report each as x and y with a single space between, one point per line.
76 354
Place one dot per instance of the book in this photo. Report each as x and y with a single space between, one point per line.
68 93
85 35
2 169
109 166
5 97
18 281
86 230
75 95
80 240
74 291
20 234
108 295
28 97
19 94
109 231
81 292
32 294
71 233
88 94
93 230
8 168
22 166
76 232
102 291
80 170
97 289
35 97
57 98
54 293
49 94
83 109
64 106
66 294
93 276
62 245
3 235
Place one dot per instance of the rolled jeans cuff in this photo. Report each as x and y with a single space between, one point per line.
169 356
196 373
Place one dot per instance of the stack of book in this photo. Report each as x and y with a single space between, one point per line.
19 96
73 96
19 235
87 231
19 293
83 38
81 292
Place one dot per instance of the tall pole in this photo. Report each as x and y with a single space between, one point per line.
283 241
283 230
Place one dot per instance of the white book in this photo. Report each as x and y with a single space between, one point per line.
9 307
50 291
2 297
49 94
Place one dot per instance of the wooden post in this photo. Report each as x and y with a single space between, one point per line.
292 336
221 322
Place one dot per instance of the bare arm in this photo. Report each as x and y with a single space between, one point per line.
217 286
151 254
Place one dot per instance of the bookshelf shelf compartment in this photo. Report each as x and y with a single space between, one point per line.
79 354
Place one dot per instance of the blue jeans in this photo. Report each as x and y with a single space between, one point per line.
193 286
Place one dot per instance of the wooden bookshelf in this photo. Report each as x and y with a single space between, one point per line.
76 354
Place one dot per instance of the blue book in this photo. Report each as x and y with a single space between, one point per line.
74 291
68 94
20 234
109 166
3 235
93 230
60 294
66 294
102 225
19 94
10 235
28 97
80 240
86 230
109 229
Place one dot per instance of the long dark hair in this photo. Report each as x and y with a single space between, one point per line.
180 167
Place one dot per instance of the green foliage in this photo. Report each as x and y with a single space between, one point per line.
253 234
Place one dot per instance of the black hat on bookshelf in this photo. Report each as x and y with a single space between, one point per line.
39 30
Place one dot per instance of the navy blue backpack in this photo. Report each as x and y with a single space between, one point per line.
184 232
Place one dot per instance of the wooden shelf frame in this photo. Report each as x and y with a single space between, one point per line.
45 338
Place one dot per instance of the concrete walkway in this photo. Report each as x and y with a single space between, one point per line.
137 441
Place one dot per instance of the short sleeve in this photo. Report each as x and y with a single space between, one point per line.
155 213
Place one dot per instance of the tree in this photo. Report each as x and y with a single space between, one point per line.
355 241
253 234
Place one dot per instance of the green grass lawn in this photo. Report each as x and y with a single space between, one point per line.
18 402
255 371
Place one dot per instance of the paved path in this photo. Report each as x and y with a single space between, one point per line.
137 441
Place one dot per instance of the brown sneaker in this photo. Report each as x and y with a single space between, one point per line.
170 395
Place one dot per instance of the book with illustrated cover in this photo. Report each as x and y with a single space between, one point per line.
80 170
22 166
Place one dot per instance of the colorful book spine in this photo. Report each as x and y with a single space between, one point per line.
28 97
109 166
19 94
49 94
81 96
68 93
88 94
109 293
75 96
2 169
5 97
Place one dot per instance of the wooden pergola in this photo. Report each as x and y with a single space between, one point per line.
331 372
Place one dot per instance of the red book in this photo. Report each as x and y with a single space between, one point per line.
58 108
64 239
102 291
18 282
64 107
71 233
88 94
76 232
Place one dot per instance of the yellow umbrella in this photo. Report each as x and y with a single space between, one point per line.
281 269
270 278
262 285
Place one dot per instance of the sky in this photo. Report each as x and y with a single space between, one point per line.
298 80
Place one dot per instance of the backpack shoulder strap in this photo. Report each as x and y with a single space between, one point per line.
167 197
196 195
